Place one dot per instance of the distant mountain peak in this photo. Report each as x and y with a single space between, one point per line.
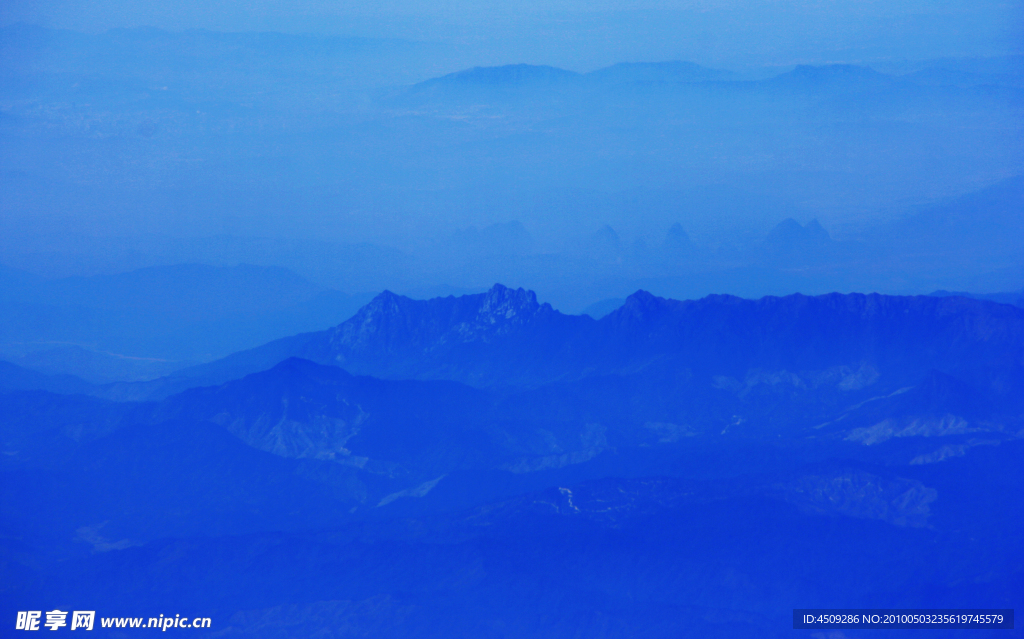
638 307
815 229
387 297
391 323
503 302
789 231
641 297
788 225
677 237
385 303
606 233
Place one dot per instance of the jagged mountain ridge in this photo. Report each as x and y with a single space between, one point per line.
664 453
443 333
505 338
396 337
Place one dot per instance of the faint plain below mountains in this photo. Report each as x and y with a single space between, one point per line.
145 322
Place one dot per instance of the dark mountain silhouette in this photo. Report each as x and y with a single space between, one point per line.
564 389
513 83
404 334
706 452
506 338
723 334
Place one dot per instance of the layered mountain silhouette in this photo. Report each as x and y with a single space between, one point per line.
486 462
409 391
485 465
506 338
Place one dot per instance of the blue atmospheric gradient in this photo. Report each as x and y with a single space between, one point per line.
753 365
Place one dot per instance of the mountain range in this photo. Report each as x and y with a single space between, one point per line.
506 338
210 405
485 465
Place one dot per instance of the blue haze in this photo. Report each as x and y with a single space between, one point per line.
516 320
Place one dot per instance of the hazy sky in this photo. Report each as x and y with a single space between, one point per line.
199 135
589 34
